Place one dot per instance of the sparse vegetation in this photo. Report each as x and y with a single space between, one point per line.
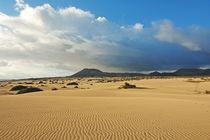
54 89
29 89
127 85
19 87
207 92
72 83
63 87
40 82
29 83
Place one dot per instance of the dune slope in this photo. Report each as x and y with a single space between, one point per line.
129 114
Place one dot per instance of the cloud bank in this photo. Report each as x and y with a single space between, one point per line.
43 41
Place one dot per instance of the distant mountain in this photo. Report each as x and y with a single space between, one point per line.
180 72
184 72
90 73
161 74
98 73
156 73
192 72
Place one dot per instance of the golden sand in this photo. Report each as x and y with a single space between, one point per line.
158 109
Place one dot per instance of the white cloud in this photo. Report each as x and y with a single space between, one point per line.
4 64
42 41
167 32
138 26
101 19
20 5
74 11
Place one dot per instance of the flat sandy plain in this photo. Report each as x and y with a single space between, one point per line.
170 108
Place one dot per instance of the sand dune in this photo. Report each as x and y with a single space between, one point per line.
166 109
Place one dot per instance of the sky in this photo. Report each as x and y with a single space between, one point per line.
45 38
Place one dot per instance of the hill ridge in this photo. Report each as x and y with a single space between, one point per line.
91 72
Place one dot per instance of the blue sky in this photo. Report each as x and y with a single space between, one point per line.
182 12
42 38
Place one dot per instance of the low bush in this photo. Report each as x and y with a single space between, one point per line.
41 82
207 92
72 83
29 83
54 89
127 85
19 87
29 89
76 87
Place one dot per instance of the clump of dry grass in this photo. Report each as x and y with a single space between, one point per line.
29 89
54 89
29 83
207 92
72 83
19 87
127 85
41 82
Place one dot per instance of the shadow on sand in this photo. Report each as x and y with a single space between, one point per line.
142 88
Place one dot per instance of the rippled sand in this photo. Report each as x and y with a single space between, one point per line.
164 109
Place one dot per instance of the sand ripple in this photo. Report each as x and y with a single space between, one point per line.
47 118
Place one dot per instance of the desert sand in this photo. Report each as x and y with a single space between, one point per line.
170 108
